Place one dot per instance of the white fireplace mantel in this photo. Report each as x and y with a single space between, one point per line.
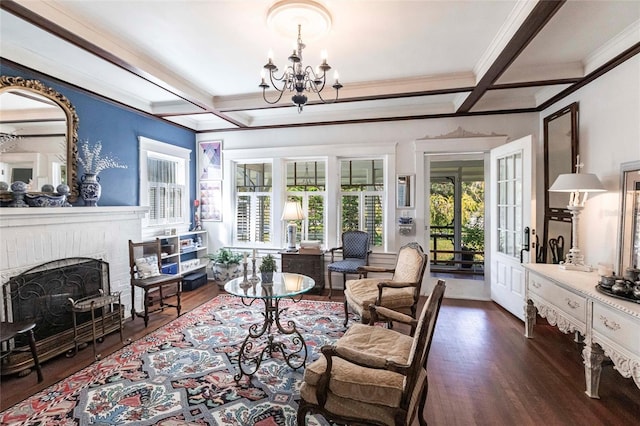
35 235
28 216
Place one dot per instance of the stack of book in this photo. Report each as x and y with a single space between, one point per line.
310 247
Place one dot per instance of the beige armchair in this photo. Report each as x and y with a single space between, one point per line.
400 292
373 375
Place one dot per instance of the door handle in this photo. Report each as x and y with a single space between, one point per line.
526 242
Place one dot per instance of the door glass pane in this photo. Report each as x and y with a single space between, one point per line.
509 202
509 243
511 220
502 241
510 192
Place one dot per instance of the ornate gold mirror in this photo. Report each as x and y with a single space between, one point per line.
560 156
39 129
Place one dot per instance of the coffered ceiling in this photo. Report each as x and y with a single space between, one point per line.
197 63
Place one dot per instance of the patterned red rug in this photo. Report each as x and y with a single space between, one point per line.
183 374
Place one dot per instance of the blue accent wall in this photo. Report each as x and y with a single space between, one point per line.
118 129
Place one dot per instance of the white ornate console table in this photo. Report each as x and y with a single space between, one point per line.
570 301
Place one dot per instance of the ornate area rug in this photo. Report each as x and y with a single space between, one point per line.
183 374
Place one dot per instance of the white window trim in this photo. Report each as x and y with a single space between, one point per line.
145 146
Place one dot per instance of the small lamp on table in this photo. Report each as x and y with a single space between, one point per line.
292 212
579 185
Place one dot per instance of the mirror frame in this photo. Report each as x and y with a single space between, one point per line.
9 83
405 184
629 235
553 213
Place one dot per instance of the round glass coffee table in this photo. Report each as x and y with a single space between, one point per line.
262 340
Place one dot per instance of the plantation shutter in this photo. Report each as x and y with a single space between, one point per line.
243 215
165 193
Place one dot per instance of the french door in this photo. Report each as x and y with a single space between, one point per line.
512 209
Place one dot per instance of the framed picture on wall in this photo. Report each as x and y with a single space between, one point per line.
210 160
211 200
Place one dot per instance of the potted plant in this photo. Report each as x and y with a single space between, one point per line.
225 265
267 268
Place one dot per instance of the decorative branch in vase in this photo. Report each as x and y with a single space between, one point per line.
93 161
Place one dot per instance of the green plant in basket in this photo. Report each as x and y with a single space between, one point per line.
268 264
225 256
225 265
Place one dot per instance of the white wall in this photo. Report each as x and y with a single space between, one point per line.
353 138
609 135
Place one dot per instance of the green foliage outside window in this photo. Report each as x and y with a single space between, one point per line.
442 212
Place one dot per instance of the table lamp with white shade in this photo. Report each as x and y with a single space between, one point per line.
579 185
292 212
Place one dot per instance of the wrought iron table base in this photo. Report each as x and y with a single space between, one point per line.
271 314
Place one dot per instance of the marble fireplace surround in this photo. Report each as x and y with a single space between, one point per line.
31 236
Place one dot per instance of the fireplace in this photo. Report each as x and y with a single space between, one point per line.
32 237
44 295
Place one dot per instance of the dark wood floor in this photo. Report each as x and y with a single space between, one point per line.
482 370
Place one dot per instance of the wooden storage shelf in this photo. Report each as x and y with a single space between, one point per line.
187 247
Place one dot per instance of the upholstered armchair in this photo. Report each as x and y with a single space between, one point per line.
400 292
373 375
355 253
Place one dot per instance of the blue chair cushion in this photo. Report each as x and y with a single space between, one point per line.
349 266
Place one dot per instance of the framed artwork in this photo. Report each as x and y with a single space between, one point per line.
210 160
211 201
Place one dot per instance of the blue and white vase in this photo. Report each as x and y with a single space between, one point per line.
90 189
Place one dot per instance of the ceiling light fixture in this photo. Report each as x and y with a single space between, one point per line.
297 78
8 141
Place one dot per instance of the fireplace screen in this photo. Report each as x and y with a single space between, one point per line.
41 294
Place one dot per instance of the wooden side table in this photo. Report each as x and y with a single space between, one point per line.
309 264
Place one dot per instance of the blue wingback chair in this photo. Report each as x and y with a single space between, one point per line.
355 253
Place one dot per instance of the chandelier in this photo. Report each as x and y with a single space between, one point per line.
297 78
8 141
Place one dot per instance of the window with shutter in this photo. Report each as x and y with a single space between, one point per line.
362 197
164 183
253 188
306 183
